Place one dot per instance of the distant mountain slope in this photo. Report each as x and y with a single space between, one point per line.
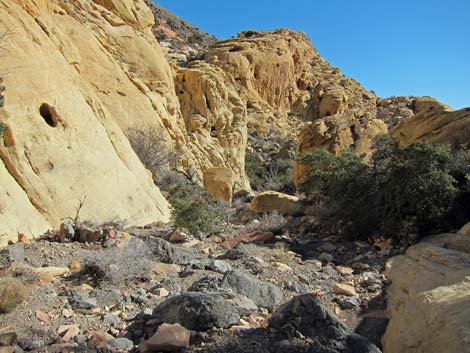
170 26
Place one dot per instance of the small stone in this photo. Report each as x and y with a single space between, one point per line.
67 313
69 331
7 339
7 350
326 257
139 296
122 344
345 271
162 292
23 239
282 267
178 236
252 260
345 289
112 320
75 265
67 231
42 316
98 339
219 266
350 302
163 269
327 247
168 338
80 301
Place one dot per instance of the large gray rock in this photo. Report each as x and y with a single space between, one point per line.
305 314
198 311
168 253
12 253
264 294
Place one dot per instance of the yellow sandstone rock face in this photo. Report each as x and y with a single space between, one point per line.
434 122
83 73
272 201
219 182
429 300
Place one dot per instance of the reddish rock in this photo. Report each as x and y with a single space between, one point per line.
168 338
254 237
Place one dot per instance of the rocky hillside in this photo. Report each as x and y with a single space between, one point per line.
169 26
182 39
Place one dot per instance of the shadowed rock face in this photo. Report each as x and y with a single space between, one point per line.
308 316
198 311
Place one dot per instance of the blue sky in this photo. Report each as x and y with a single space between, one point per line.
394 47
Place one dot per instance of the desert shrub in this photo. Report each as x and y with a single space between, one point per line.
400 192
269 222
195 38
117 264
276 176
198 212
3 128
281 253
151 147
12 293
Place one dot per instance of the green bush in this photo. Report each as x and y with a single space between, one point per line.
198 212
3 128
276 176
400 192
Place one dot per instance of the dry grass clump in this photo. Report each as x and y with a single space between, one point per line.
269 222
281 253
12 293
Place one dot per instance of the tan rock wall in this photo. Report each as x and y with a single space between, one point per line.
99 69
429 302
434 122
84 153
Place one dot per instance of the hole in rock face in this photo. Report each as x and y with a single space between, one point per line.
49 114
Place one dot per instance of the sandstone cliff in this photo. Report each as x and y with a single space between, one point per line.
80 74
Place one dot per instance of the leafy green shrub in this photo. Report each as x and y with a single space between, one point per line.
198 212
399 193
276 176
3 128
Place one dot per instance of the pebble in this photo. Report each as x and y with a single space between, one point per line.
123 344
326 257
345 289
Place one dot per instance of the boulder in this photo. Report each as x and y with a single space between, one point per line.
433 122
465 230
253 237
169 253
198 311
305 314
219 182
429 304
264 294
272 201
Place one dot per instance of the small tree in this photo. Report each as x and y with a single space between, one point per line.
399 193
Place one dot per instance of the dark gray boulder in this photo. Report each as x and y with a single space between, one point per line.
305 314
168 253
264 294
198 311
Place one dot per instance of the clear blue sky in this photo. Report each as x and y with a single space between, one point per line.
394 47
